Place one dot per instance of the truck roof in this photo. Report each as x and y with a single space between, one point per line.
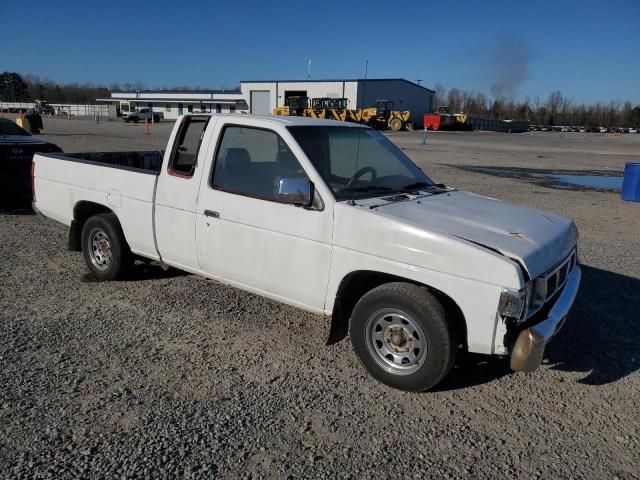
284 120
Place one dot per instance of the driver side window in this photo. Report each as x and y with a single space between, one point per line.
251 161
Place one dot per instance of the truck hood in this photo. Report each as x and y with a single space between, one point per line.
536 239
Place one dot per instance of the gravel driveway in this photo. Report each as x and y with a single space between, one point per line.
171 375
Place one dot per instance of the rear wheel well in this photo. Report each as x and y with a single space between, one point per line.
356 284
82 211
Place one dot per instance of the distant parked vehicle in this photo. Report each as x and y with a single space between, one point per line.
603 130
634 130
43 108
142 114
17 147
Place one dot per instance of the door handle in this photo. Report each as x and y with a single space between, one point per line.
211 213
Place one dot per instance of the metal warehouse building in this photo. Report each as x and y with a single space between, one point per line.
265 95
260 97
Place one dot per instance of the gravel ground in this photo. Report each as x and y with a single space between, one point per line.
171 375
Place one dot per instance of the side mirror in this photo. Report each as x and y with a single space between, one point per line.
297 191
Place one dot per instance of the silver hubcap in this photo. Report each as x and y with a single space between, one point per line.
99 249
396 341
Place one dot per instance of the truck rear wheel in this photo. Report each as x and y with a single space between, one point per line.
401 335
105 250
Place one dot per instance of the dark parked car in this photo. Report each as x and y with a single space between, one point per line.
17 147
43 108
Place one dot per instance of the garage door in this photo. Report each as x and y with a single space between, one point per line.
260 102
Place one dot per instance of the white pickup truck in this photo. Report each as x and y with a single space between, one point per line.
142 114
334 219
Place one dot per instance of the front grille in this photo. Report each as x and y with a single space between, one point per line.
552 283
547 285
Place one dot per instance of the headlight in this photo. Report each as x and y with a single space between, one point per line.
513 302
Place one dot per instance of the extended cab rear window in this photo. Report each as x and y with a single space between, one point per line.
186 148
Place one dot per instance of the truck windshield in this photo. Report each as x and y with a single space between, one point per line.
359 162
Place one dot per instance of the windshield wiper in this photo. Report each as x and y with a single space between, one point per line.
429 187
416 186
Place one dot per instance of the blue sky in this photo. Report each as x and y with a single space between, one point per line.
589 50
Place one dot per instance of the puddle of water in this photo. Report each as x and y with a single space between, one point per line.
558 179
591 181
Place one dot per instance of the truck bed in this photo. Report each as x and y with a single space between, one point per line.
150 161
124 182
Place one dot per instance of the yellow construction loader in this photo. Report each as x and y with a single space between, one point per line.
382 116
293 106
337 109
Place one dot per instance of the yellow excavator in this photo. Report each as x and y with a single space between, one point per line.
383 116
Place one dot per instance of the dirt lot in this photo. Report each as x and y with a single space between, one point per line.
168 374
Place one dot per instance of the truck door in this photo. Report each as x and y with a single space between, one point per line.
177 194
248 238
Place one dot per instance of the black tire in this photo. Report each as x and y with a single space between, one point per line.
126 120
395 124
104 247
401 312
135 119
156 119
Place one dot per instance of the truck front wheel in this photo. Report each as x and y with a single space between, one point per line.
105 250
400 333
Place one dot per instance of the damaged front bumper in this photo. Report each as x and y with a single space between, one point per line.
527 352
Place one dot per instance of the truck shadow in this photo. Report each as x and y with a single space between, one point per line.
22 209
141 271
601 338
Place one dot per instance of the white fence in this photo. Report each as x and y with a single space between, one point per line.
62 108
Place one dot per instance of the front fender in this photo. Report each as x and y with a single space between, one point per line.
478 301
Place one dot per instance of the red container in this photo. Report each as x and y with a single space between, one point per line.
432 122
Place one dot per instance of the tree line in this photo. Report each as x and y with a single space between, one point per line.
557 109
28 88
